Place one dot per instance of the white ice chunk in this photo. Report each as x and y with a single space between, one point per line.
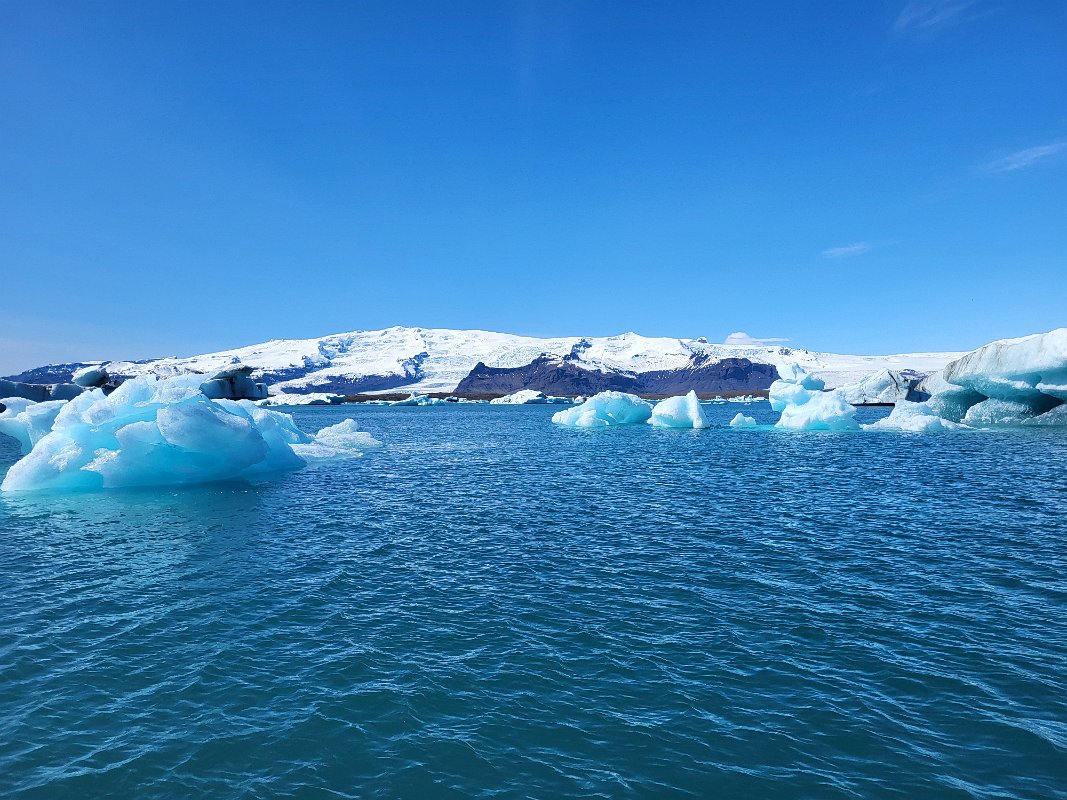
90 377
1008 382
805 407
28 421
913 417
604 409
1013 369
152 433
883 386
1057 416
309 399
741 421
521 398
999 412
343 440
419 400
527 397
679 412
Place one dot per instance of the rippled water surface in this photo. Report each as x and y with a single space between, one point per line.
491 606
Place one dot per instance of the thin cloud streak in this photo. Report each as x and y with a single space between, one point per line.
848 250
740 337
929 15
1025 158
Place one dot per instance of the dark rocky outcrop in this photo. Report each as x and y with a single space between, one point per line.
549 374
562 376
706 374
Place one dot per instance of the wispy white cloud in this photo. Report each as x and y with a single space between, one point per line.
1025 158
848 250
743 338
930 15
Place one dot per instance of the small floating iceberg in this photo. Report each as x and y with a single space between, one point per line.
679 412
151 432
527 397
741 421
913 418
605 409
309 399
804 406
419 400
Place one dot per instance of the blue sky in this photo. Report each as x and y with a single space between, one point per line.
857 177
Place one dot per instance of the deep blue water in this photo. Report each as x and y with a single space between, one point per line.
491 606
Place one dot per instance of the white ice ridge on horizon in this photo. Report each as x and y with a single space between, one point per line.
419 400
309 399
151 432
444 357
525 397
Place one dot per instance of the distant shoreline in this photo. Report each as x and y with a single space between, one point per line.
391 396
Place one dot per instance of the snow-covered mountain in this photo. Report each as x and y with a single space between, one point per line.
436 360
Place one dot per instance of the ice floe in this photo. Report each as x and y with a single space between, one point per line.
741 421
804 406
28 421
527 397
605 409
309 399
881 387
679 412
914 418
152 432
419 400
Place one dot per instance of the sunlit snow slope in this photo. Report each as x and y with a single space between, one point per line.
427 359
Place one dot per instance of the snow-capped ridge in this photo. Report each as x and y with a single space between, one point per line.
437 360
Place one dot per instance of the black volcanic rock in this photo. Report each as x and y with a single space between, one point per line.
562 376
549 374
705 374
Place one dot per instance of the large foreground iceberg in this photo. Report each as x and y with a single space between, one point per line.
804 406
605 409
1008 382
152 433
679 412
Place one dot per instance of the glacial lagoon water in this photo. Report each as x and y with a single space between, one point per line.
491 606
